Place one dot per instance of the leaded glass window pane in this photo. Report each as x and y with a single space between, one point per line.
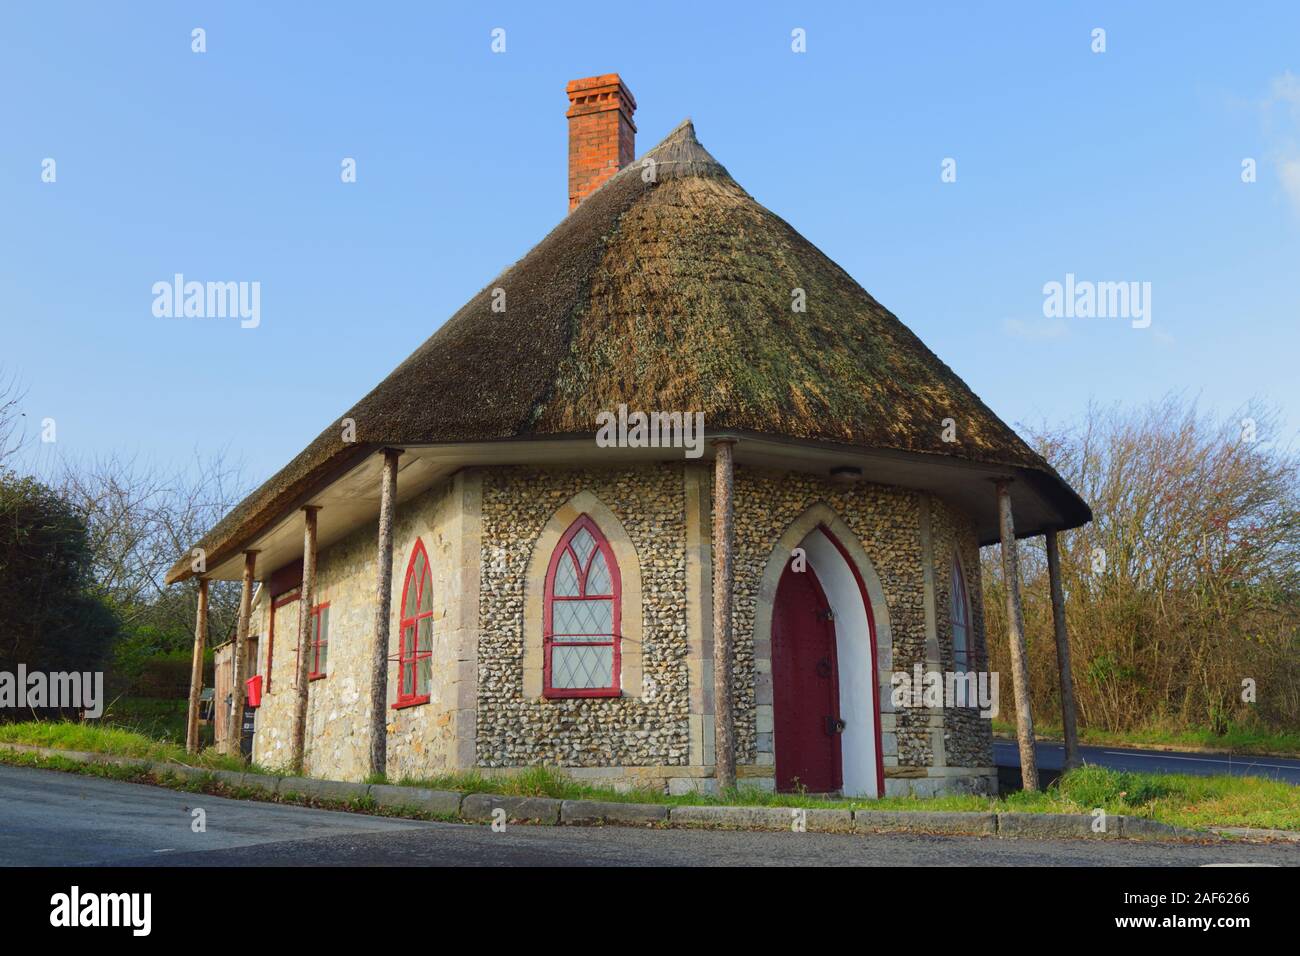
566 577
598 581
581 668
587 618
426 595
583 544
411 595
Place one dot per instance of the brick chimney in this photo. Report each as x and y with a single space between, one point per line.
602 136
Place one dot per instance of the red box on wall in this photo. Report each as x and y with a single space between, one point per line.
254 685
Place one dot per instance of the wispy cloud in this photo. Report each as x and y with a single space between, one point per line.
1281 116
1039 330
1162 338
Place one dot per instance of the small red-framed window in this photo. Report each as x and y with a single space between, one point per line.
415 639
320 634
963 657
582 615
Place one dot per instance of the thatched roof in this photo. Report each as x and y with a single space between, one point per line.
670 293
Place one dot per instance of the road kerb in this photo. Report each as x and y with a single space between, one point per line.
480 807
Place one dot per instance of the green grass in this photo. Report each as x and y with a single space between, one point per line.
1182 800
93 737
160 718
1236 740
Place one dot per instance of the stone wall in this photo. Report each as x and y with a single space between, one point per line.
968 737
647 726
924 750
886 524
484 531
424 739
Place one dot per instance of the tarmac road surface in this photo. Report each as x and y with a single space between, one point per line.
48 818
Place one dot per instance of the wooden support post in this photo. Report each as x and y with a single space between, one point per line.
305 622
1069 722
383 609
196 669
1016 636
723 573
234 740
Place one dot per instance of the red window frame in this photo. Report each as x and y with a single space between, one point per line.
408 653
961 601
317 641
562 550
276 604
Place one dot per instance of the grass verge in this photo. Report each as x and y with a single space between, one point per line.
1236 740
1178 799
93 738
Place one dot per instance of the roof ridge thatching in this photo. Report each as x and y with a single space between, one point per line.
666 290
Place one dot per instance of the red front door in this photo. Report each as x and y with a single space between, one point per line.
805 686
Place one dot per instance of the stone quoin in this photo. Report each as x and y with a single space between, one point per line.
554 599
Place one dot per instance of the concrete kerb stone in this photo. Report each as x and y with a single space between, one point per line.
599 811
971 822
229 778
182 771
825 821
1256 833
1141 828
545 810
442 802
479 807
266 783
1055 825
322 789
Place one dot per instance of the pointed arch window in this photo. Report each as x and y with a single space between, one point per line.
582 608
415 647
962 656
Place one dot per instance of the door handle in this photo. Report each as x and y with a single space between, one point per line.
834 726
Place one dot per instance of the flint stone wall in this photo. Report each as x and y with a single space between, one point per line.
481 528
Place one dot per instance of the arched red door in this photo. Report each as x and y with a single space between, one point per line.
805 686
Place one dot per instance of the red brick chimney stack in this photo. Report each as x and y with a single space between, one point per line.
602 136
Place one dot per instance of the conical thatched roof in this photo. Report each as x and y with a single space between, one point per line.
669 292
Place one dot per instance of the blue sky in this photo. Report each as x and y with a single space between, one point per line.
1115 166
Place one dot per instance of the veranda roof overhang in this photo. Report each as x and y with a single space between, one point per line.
349 496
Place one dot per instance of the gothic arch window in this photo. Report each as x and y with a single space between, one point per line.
962 654
415 641
582 615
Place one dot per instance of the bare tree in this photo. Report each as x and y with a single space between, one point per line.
140 520
11 431
1184 591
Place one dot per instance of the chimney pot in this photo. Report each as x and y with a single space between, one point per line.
602 136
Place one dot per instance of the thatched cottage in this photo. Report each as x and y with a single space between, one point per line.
517 550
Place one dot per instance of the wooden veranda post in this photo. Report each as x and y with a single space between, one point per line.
305 623
196 669
383 608
235 737
1069 724
1016 637
723 727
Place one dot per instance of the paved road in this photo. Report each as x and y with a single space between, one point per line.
48 818
51 818
1052 755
